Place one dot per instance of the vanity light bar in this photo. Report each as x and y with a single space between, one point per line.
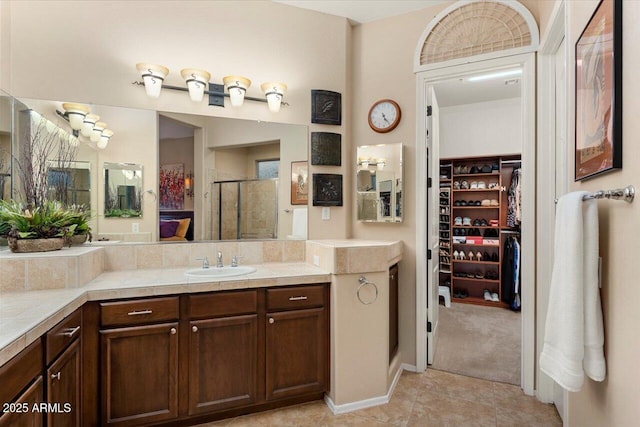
216 93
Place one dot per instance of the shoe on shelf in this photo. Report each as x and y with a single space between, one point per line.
457 221
464 185
487 295
494 297
455 254
479 275
466 221
494 257
456 185
478 256
474 169
494 202
474 185
462 255
482 185
470 255
493 185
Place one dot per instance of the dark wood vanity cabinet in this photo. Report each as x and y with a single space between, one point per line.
393 311
205 356
296 341
223 351
63 375
21 387
139 361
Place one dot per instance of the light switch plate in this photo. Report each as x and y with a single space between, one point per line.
135 227
316 260
326 214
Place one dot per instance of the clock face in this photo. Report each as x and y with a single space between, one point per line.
384 115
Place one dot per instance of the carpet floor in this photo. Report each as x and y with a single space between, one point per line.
480 342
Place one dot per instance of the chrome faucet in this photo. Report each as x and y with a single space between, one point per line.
234 260
205 262
219 264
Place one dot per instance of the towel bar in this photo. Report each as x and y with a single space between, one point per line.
627 194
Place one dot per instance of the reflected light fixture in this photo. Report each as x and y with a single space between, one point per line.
197 80
236 86
89 122
152 75
96 133
274 93
381 163
188 184
75 113
104 139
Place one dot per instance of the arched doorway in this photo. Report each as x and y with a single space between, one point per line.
469 37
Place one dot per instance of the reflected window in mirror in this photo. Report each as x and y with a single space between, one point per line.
122 190
69 182
379 178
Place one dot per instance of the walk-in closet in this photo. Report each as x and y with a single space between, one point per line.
479 212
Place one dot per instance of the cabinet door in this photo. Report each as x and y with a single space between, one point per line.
393 311
63 388
296 353
223 360
26 416
139 374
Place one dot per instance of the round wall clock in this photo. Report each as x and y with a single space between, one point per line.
384 115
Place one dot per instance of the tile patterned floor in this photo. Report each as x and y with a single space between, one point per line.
434 398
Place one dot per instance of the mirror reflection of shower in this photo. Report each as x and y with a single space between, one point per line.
244 209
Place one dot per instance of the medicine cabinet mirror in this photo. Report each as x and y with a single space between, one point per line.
122 190
379 180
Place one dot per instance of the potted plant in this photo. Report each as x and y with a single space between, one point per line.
80 217
44 228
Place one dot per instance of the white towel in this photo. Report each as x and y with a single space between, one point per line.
574 334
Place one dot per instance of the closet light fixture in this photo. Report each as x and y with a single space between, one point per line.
153 77
75 113
381 163
496 75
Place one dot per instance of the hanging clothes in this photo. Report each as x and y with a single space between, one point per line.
510 286
514 211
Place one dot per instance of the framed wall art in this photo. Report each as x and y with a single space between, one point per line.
299 183
172 186
327 189
326 149
598 145
326 107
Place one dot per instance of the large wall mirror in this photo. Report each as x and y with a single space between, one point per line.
379 180
203 154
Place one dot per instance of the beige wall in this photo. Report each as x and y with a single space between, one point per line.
77 44
614 402
5 45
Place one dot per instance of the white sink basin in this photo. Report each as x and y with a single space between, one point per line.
214 272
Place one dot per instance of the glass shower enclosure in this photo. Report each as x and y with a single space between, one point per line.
244 209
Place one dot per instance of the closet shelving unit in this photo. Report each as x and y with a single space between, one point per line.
469 277
445 224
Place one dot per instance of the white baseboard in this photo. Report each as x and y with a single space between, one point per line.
367 403
410 368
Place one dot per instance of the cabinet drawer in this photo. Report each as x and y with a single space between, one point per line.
140 311
18 372
61 335
223 304
288 298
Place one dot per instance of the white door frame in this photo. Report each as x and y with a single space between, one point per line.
548 169
528 81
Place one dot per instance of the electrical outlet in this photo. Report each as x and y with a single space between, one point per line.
316 260
135 227
326 214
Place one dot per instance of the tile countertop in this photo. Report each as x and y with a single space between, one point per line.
25 316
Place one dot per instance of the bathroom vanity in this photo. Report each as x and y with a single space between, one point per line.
154 346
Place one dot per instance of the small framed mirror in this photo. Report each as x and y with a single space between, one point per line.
122 190
379 179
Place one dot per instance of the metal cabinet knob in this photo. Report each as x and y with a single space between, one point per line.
194 328
271 321
55 376
173 331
